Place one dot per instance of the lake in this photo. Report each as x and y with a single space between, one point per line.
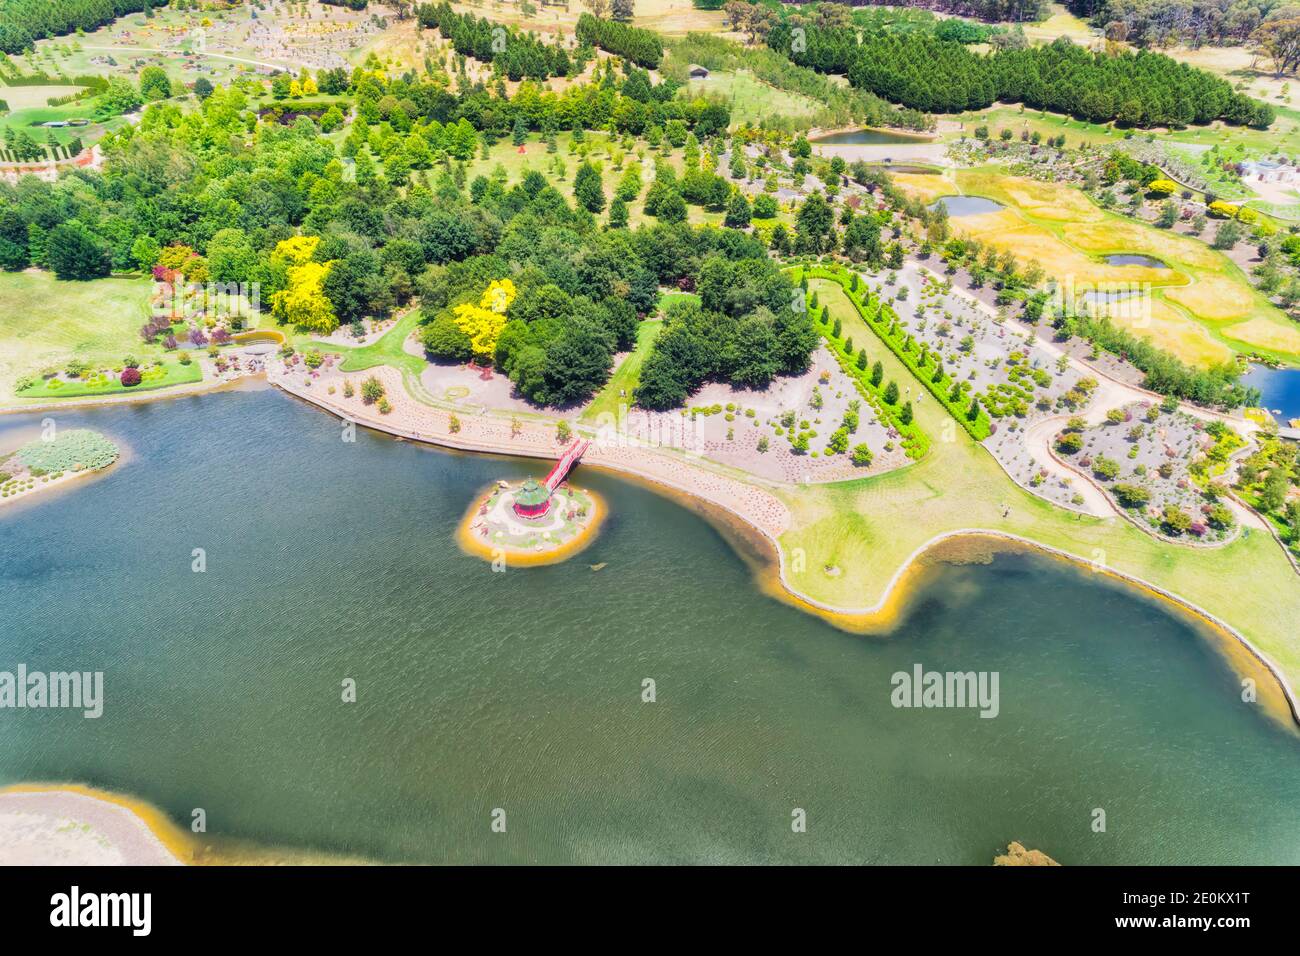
522 690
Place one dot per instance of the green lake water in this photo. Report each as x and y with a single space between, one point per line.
522 690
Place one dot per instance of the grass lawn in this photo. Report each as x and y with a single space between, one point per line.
28 119
386 350
751 100
171 373
618 390
672 298
46 322
866 529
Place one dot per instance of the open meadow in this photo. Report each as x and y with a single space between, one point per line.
1203 307
46 323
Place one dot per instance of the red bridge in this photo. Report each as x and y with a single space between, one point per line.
566 463
533 500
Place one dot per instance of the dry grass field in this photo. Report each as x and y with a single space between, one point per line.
1202 308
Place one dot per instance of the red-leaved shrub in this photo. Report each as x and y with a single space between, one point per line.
130 376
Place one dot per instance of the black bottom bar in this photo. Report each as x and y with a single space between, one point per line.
337 905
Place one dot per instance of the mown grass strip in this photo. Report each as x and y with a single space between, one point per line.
971 417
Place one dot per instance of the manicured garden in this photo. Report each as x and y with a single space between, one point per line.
76 449
883 321
112 380
45 323
1159 464
868 374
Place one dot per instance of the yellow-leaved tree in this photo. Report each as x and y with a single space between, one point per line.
302 301
483 322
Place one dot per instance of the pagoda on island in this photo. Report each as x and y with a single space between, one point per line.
533 499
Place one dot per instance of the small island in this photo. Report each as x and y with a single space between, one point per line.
533 522
45 463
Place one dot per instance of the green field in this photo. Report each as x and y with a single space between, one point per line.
853 536
27 118
46 323
618 390
751 100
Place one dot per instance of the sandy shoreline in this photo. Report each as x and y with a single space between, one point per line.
517 557
78 826
44 488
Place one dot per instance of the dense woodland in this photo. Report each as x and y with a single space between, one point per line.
642 47
933 75
744 329
519 55
22 22
1154 23
215 194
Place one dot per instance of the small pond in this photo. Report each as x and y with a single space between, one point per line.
867 137
1133 259
1280 388
1105 297
967 205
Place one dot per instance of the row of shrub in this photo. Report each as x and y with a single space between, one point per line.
879 318
914 440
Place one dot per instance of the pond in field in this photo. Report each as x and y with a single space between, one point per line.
867 137
967 205
328 560
1133 259
914 170
1103 298
1279 388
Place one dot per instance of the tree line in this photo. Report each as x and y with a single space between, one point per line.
642 47
23 22
744 329
839 105
517 55
933 75
1165 373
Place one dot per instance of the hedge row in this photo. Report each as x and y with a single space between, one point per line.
914 441
879 320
